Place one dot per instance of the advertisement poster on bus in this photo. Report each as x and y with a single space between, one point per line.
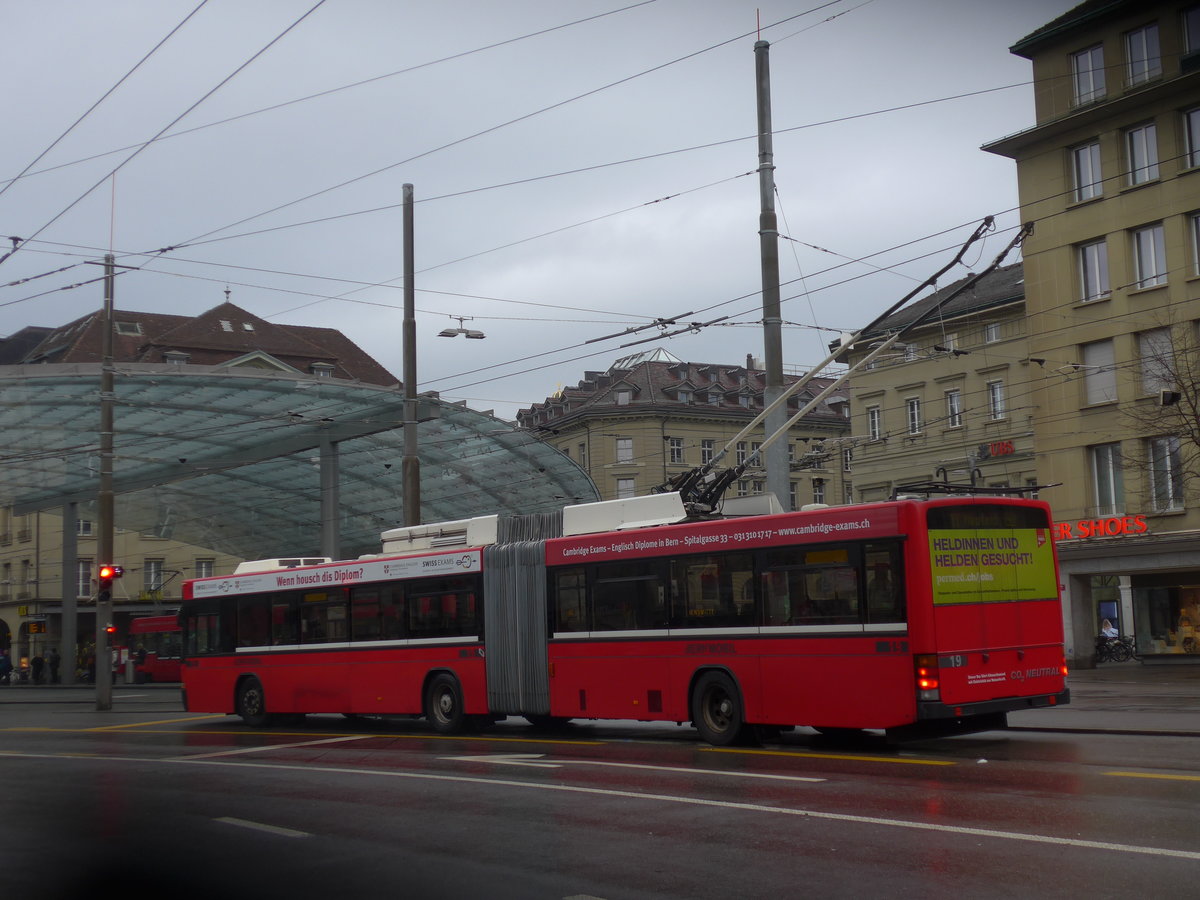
987 566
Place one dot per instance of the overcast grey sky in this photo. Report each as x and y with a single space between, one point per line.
569 184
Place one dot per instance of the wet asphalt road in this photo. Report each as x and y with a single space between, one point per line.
146 794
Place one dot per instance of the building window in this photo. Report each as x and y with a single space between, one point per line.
128 327
743 488
204 568
847 459
874 423
623 397
995 391
321 370
714 398
226 325
756 487
910 352
792 487
756 453
1149 256
1194 224
1166 473
818 486
152 574
176 357
625 489
1191 137
744 399
1157 360
675 446
1093 270
83 527
1085 168
624 450
912 408
1107 482
954 408
706 452
1087 75
740 453
991 332
685 396
1141 150
1099 373
83 577
583 455
1142 59
1191 29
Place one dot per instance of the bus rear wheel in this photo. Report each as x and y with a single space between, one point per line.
251 702
717 709
444 705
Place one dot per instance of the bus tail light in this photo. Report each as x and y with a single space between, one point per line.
927 677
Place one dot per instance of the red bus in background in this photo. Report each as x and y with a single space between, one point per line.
916 617
156 648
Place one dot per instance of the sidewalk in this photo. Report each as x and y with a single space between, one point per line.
1124 698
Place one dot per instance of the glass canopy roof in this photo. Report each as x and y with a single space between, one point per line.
230 460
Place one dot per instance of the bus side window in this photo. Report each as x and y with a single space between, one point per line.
364 614
628 597
284 628
391 613
254 624
712 591
570 600
885 583
776 593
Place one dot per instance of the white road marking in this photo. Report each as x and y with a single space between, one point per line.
526 759
1051 840
507 759
260 826
268 747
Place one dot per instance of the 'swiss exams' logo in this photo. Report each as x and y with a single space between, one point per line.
464 562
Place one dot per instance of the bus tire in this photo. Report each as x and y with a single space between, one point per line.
717 709
251 702
444 705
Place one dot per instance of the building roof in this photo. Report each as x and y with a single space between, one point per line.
1083 14
711 390
222 335
1002 286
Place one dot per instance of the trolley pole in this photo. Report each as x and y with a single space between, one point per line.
411 466
104 500
776 462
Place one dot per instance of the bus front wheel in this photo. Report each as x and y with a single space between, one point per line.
717 709
251 702
444 705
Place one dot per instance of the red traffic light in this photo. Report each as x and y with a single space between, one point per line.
109 572
110 629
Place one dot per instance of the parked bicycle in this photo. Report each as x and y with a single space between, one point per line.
1115 649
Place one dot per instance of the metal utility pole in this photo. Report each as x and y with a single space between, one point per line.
776 461
411 466
104 501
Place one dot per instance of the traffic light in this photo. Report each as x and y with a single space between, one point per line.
110 629
105 576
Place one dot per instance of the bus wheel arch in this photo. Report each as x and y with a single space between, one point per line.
717 708
250 701
443 702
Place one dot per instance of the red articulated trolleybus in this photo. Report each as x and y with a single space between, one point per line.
154 645
921 617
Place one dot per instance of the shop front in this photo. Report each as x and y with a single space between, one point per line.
1146 584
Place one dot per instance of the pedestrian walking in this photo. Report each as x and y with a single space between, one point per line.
53 661
36 665
5 667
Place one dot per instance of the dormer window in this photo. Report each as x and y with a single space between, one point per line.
176 357
128 327
685 396
321 370
714 397
226 325
248 326
623 397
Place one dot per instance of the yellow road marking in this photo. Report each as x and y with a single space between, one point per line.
159 722
1151 775
845 756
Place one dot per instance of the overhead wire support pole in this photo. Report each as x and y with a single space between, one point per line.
411 465
778 479
104 499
